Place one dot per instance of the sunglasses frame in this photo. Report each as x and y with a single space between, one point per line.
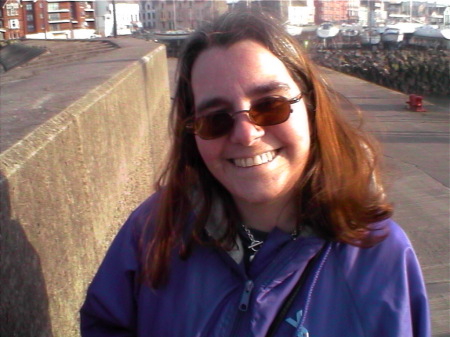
190 124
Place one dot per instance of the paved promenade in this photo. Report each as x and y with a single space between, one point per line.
416 153
416 150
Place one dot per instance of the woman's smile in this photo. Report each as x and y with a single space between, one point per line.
256 160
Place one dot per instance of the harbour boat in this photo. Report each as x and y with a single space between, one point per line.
327 30
431 37
349 32
172 39
293 30
407 27
396 34
171 35
432 32
392 35
370 36
350 35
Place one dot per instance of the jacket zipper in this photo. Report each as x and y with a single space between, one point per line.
246 294
245 298
243 306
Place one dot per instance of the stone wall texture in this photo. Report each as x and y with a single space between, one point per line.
68 186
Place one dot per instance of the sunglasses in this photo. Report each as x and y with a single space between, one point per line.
267 111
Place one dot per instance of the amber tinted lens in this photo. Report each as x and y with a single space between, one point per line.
270 111
213 126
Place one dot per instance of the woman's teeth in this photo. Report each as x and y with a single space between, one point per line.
256 160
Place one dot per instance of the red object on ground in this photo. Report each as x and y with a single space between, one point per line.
415 103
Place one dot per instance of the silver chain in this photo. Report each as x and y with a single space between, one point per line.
256 244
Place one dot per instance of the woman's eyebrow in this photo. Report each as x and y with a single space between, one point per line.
269 88
260 89
210 103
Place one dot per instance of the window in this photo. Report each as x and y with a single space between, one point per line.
12 10
54 16
30 27
30 17
302 3
29 7
55 27
53 6
14 24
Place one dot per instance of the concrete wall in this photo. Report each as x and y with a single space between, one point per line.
68 186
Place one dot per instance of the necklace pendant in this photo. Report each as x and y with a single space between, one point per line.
255 245
252 257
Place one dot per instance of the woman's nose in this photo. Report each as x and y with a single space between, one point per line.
245 132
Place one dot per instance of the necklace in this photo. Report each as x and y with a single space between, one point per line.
255 245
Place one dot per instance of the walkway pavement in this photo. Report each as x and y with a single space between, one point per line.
416 152
416 149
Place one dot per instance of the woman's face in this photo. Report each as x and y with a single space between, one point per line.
256 164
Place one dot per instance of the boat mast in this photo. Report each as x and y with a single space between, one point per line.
411 11
371 14
174 15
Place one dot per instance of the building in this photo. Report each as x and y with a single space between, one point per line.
353 11
423 12
331 11
148 14
446 16
165 15
301 12
47 19
11 20
126 19
435 13
373 12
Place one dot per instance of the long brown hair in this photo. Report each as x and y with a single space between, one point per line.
339 194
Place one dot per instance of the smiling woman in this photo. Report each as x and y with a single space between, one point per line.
270 218
263 189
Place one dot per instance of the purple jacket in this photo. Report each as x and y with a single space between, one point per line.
349 291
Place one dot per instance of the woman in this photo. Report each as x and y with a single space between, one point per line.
270 218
